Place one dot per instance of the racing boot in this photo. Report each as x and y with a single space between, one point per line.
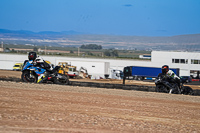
171 90
42 77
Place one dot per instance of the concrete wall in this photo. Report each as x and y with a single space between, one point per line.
158 58
7 61
95 68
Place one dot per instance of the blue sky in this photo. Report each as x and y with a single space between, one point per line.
113 17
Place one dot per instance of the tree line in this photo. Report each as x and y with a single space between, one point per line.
91 46
107 52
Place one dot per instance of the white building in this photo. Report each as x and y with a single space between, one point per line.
187 62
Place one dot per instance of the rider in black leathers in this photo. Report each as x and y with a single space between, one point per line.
169 76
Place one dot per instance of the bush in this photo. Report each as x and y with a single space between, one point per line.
113 53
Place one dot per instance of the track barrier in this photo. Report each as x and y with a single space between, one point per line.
104 85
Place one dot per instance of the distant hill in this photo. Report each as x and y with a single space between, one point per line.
190 42
39 35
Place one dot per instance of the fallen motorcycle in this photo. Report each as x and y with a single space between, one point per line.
167 87
32 72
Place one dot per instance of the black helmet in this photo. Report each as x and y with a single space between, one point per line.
165 69
32 55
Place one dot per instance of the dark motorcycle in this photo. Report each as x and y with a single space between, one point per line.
39 73
164 86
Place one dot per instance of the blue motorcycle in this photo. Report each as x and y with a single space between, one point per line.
38 73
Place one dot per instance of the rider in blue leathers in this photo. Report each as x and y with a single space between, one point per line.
38 62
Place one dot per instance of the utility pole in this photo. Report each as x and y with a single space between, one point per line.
45 50
2 45
78 51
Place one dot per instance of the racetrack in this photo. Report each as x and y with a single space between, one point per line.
55 108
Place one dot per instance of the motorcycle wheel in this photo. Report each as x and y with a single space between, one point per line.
187 90
176 89
26 77
161 88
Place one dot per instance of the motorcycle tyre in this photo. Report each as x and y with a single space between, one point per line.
176 90
187 90
25 77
